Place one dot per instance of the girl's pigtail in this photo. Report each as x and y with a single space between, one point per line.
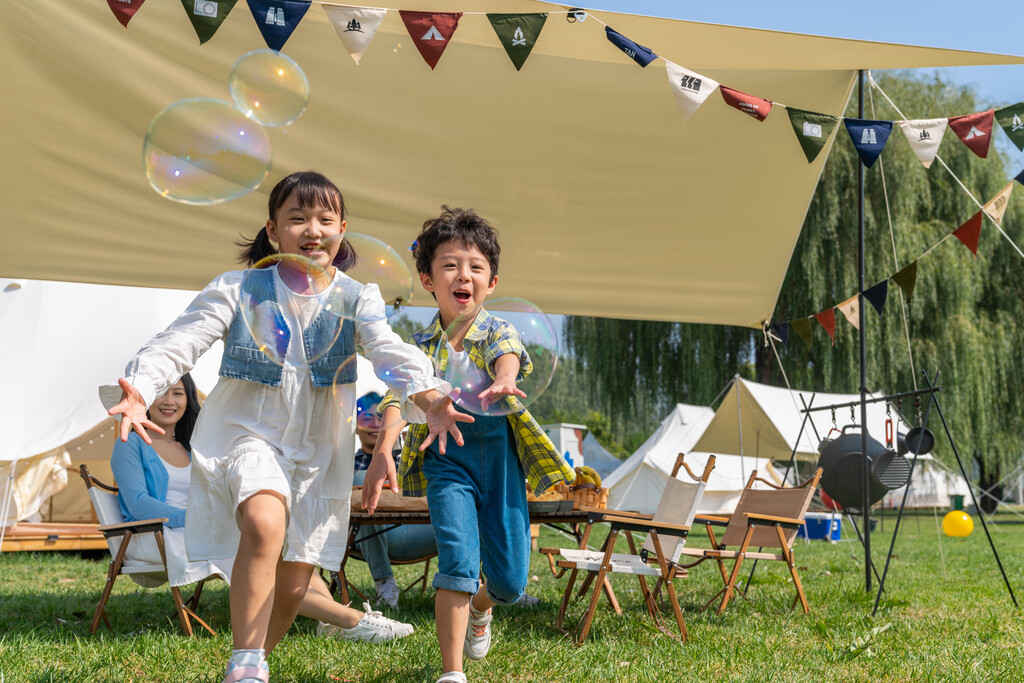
256 249
346 257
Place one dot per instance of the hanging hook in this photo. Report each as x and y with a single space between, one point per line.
576 14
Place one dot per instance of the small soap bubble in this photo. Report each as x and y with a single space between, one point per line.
540 340
310 298
204 151
269 87
380 264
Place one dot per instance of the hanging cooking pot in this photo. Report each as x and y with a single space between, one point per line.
841 462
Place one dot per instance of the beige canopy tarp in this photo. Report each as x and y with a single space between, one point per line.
608 203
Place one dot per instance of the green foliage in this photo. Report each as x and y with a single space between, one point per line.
962 320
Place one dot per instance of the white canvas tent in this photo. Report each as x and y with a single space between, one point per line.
931 487
597 456
765 421
67 340
608 202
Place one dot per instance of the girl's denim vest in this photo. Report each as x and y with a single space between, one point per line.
243 358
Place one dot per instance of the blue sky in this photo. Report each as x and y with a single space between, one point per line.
980 25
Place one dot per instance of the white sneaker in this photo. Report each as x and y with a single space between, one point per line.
527 600
452 677
247 667
478 634
374 627
387 592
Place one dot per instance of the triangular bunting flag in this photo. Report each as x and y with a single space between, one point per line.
638 53
690 88
207 15
996 206
906 279
781 330
869 137
851 310
355 26
518 33
876 295
924 136
1010 118
802 326
431 32
124 10
1020 178
827 318
812 130
277 19
748 104
975 130
969 232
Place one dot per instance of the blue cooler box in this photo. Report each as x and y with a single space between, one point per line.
824 525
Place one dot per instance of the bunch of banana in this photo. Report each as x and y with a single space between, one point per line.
587 477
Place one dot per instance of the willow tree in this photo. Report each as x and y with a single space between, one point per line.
962 319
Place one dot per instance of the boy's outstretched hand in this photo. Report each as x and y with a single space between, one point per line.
381 471
133 413
441 420
499 390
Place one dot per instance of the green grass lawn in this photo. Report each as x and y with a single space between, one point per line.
946 617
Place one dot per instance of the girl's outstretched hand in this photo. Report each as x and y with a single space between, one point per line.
441 420
381 471
498 390
133 413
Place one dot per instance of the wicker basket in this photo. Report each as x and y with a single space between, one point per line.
586 496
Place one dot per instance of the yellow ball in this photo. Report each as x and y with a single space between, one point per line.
957 523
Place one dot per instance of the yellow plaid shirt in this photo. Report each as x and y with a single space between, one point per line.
487 339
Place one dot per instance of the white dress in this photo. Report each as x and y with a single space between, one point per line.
295 439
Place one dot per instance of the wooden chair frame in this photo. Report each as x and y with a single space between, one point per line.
343 583
754 521
127 531
662 567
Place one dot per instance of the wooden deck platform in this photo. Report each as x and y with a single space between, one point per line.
55 536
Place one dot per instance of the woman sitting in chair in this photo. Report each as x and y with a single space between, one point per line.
153 482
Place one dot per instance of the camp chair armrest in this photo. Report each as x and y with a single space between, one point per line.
551 552
756 518
601 515
645 525
139 526
711 519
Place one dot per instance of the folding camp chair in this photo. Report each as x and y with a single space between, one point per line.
767 518
672 519
120 535
345 584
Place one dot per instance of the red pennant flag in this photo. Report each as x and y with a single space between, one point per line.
827 318
975 130
748 104
431 31
124 10
969 232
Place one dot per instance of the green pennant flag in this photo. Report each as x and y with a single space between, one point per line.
518 33
1012 120
812 130
207 15
802 326
906 279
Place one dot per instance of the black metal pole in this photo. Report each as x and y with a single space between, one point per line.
866 475
967 481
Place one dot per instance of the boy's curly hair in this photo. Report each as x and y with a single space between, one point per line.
460 225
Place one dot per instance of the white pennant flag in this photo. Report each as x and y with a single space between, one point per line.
355 26
996 206
851 309
690 89
924 136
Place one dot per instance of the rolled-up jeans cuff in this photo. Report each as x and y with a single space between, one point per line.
459 584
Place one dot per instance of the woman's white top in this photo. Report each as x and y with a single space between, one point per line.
177 484
251 437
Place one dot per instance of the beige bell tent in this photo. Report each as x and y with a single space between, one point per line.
609 204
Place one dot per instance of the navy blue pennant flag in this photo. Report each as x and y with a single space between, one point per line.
638 53
877 294
1020 178
869 137
277 19
781 330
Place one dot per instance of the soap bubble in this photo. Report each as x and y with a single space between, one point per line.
204 151
539 337
269 87
277 325
378 263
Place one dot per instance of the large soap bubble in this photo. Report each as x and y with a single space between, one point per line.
269 87
205 151
380 264
539 337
